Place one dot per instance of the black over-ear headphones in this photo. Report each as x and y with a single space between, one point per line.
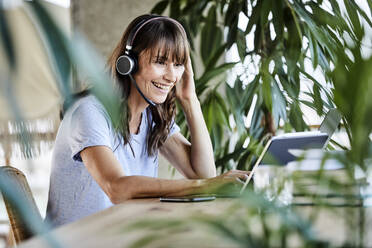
127 64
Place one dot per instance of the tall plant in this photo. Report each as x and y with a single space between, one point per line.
64 53
279 38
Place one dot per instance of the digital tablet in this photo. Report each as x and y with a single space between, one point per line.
278 151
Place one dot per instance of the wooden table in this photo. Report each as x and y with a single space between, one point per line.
109 228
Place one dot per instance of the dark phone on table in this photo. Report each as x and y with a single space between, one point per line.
189 198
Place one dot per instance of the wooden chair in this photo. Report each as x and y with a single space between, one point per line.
20 230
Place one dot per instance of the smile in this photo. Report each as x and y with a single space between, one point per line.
161 86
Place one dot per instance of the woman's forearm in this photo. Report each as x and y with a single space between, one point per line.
130 187
202 158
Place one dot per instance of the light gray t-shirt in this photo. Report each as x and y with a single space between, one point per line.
73 193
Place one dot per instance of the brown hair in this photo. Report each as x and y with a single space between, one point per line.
161 35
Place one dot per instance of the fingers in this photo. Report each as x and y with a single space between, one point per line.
188 67
231 180
245 177
237 175
239 180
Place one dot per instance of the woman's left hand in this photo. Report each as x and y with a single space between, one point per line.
185 89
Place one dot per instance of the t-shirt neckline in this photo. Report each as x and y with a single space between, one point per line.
140 129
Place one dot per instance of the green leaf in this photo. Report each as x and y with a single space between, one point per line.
91 66
323 17
64 53
7 39
216 117
233 97
298 34
361 12
195 17
211 37
317 100
278 21
56 42
279 106
265 10
266 85
323 62
175 11
232 33
223 115
242 164
21 206
191 7
295 118
255 17
308 103
249 93
335 7
294 41
215 56
313 45
256 129
231 21
319 85
160 7
232 12
189 33
234 155
354 18
208 75
241 44
322 34
207 108
370 6
245 8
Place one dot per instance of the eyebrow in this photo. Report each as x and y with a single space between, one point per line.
157 57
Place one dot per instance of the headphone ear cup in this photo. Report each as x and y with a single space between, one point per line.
126 65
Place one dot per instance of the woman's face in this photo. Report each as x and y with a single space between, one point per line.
157 75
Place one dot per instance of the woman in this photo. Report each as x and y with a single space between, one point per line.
96 165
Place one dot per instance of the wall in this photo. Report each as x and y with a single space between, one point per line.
103 22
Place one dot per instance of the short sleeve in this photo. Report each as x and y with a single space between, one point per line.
90 126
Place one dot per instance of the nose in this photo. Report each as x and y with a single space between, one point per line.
170 74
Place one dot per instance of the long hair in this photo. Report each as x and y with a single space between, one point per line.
162 35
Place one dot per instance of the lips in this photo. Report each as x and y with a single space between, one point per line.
162 86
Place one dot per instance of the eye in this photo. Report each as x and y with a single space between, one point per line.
178 64
159 61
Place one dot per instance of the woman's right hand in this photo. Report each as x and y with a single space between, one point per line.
226 183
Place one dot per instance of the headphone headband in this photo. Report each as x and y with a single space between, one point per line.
142 23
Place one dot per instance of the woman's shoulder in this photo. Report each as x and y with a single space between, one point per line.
88 105
89 100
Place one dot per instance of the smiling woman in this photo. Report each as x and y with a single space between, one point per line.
97 164
151 47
